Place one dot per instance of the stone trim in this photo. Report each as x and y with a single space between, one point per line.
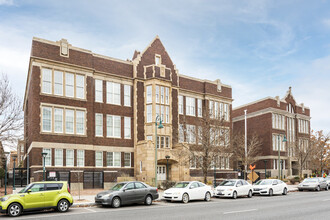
203 80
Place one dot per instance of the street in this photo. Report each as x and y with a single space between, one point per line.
296 205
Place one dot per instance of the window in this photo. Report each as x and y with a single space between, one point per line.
216 110
127 159
69 121
98 124
149 94
226 112
48 158
162 141
167 114
192 162
181 133
211 108
46 81
167 96
113 93
98 90
149 113
127 127
162 112
181 104
200 135
221 111
80 91
162 95
139 185
190 106
157 60
157 94
80 118
80 158
127 95
113 126
99 159
149 137
54 186
140 166
113 159
199 108
191 138
278 141
69 158
58 120
59 157
58 82
69 84
38 187
278 121
167 144
46 119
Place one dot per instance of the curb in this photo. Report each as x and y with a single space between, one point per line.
92 204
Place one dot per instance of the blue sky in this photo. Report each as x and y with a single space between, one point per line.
258 47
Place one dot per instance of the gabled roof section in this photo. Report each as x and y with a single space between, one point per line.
288 95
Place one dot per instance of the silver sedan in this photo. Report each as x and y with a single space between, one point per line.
317 184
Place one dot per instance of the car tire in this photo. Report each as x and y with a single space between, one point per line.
116 202
318 188
270 192
285 191
234 195
250 194
327 188
14 209
185 198
63 205
148 200
207 196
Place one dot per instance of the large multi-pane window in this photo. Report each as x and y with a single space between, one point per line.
98 90
127 127
162 108
167 95
48 157
181 133
190 106
303 126
46 119
190 134
80 158
69 158
58 82
157 94
113 126
291 129
98 124
53 83
113 93
99 159
149 113
149 94
199 108
114 159
278 142
58 120
59 157
219 110
127 159
211 109
127 95
278 121
66 120
181 104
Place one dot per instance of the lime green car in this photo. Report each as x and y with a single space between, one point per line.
37 196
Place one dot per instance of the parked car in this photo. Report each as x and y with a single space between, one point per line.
186 191
234 188
270 187
328 180
317 183
37 196
127 193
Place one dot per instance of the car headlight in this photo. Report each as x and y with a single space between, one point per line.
176 193
5 198
105 196
229 189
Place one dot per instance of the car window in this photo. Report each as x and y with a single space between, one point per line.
245 183
228 183
53 186
181 185
194 185
201 184
38 187
275 182
139 185
129 186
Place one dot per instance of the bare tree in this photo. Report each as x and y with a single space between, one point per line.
11 114
205 142
253 148
321 156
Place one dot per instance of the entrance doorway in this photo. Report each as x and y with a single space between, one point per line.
161 172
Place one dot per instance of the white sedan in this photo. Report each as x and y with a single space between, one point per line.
270 187
186 191
234 188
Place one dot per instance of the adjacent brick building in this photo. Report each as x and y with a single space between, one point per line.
94 115
271 118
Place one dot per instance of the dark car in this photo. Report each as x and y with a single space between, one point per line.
127 193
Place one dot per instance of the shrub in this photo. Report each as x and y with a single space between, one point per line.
167 184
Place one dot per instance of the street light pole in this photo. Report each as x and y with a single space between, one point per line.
245 144
43 154
167 157
159 126
14 159
279 156
265 161
214 175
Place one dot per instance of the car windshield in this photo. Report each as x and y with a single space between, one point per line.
25 188
181 185
118 186
310 180
264 182
228 183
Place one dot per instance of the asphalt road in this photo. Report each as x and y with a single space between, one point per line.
296 205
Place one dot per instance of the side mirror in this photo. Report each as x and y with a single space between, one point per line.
29 191
124 190
238 185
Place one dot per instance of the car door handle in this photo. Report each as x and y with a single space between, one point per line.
41 194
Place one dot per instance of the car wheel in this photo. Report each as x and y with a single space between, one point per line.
234 195
148 200
318 188
185 198
14 209
116 202
250 194
63 205
285 191
207 196
270 192
327 188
